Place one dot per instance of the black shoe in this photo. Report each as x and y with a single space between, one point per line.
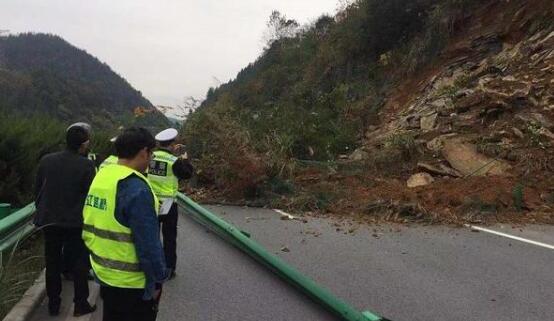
82 309
54 307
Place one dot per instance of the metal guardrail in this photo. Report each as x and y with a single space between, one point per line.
15 227
243 241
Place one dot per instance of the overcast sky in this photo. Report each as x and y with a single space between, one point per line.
168 49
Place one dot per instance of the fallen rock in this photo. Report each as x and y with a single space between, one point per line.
463 157
546 133
427 123
466 103
420 179
518 133
507 87
464 93
437 143
410 122
441 103
359 155
439 170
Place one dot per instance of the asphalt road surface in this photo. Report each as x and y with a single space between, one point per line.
403 273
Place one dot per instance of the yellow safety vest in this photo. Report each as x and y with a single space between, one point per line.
109 161
112 252
160 174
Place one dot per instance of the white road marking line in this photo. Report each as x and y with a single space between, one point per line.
513 237
287 215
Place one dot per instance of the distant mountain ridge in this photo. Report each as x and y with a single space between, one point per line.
44 74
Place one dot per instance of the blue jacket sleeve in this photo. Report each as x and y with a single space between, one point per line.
143 222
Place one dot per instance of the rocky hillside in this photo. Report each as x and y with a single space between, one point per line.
452 100
44 74
480 121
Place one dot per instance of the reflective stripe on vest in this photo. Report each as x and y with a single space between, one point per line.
111 160
161 176
116 265
113 254
105 234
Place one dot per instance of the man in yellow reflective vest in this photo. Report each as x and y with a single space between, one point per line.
121 232
164 173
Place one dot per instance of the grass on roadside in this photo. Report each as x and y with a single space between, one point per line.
20 268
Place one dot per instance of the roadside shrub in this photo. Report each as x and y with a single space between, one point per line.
222 152
396 157
23 141
312 201
403 143
278 147
280 186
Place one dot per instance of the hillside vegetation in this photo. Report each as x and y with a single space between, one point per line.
47 84
338 115
44 74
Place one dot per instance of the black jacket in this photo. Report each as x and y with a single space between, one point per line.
61 186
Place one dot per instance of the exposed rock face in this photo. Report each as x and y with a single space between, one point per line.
496 82
482 113
439 170
420 179
506 87
428 122
464 157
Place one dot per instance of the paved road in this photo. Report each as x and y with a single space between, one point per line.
217 282
66 309
416 273
404 273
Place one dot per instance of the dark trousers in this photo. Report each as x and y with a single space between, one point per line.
169 235
127 305
74 249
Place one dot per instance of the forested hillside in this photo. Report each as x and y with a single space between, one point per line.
339 114
47 84
44 74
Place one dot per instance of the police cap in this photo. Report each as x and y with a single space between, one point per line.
167 135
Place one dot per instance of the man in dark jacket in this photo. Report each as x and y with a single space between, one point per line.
61 186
